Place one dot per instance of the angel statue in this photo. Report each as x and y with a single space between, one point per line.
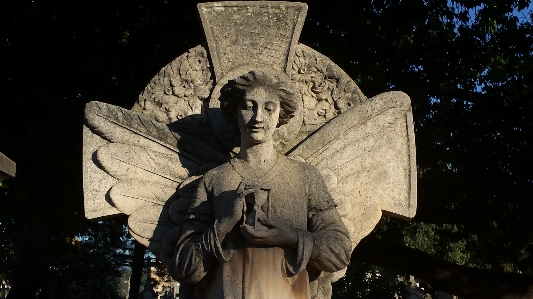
285 213
253 168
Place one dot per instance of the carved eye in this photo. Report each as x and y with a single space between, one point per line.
269 108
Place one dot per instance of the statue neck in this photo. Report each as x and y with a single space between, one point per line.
257 155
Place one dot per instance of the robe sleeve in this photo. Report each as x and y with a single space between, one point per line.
325 244
331 242
199 246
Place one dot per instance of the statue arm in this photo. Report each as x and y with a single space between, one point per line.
326 246
326 243
331 242
200 246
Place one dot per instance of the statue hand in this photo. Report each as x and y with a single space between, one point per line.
231 212
270 232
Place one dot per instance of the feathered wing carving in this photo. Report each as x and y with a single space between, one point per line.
367 158
119 125
153 168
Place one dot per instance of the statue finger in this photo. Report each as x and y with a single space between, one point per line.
245 192
253 233
269 222
242 186
247 231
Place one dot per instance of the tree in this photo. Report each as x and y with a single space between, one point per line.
466 66
51 55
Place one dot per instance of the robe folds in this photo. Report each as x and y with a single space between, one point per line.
292 192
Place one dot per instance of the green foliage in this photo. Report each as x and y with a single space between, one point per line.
369 282
467 67
103 287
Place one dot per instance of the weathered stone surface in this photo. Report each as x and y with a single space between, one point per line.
258 33
228 132
326 89
7 168
96 182
129 162
260 216
130 195
177 91
368 155
123 145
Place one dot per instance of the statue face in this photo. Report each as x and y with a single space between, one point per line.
258 114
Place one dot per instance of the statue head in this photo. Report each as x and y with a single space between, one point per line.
275 84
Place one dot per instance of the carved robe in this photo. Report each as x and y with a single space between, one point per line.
293 192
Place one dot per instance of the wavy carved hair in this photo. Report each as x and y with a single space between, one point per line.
279 84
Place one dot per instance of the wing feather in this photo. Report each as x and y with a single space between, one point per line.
367 158
128 162
148 168
149 225
130 195
159 227
119 125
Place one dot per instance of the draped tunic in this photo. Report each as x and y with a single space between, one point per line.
292 192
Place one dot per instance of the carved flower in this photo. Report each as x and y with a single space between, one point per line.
319 86
179 88
179 110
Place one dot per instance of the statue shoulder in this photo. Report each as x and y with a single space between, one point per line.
218 173
301 166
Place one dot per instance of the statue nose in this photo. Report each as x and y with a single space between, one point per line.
258 115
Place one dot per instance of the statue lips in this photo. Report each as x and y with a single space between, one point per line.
256 129
257 133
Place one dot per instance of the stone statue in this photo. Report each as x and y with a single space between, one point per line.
257 220
254 176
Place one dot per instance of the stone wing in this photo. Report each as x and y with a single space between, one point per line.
137 166
367 158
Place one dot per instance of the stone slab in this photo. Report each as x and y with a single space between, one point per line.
251 32
7 168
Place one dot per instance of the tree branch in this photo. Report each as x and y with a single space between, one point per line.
445 276
462 217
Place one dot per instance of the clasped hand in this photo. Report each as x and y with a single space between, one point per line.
270 232
267 231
